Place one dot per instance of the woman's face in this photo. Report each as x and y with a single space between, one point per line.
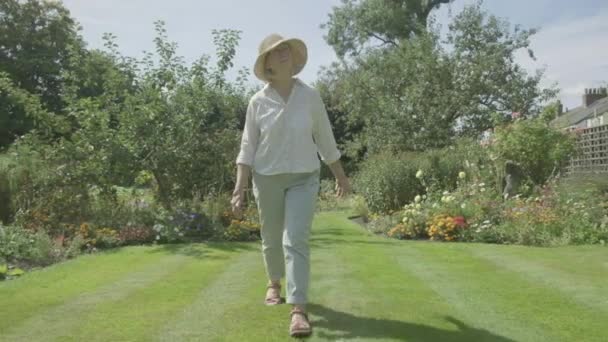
280 63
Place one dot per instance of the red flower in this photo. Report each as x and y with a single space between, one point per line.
460 221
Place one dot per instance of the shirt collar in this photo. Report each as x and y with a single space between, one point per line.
271 92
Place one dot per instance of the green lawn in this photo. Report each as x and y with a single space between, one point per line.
364 288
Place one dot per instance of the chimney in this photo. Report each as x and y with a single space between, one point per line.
593 94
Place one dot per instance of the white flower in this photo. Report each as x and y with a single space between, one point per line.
423 196
405 219
462 175
482 184
435 205
419 174
482 189
157 237
418 206
181 234
463 205
447 199
445 193
417 199
176 229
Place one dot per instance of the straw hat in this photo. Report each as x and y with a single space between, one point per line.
299 54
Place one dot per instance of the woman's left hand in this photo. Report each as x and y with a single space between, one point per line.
342 187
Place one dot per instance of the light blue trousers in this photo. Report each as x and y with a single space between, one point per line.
286 205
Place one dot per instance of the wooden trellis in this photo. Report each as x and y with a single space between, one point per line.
592 151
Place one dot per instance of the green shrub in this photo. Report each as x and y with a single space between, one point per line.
15 243
538 149
75 246
44 250
136 235
359 206
388 181
327 199
36 249
127 207
6 210
218 209
107 238
441 167
50 196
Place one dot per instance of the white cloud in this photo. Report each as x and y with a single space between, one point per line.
574 53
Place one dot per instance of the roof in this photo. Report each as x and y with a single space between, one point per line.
578 114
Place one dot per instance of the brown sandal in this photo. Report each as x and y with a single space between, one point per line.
299 328
273 297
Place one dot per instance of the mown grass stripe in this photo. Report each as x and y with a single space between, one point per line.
363 288
209 310
500 298
40 290
55 322
584 262
591 294
143 315
386 301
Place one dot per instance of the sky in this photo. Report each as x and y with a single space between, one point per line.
572 45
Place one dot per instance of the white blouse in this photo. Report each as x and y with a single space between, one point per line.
284 137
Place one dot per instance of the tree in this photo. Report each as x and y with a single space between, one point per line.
159 116
16 100
425 92
36 40
486 77
357 22
550 112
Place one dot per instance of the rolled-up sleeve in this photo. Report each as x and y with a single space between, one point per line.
249 140
322 132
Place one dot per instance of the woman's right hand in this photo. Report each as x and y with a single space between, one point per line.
237 202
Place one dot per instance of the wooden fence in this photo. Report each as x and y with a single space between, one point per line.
591 155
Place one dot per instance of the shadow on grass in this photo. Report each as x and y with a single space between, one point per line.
338 325
206 250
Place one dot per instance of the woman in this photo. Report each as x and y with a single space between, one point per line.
286 125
